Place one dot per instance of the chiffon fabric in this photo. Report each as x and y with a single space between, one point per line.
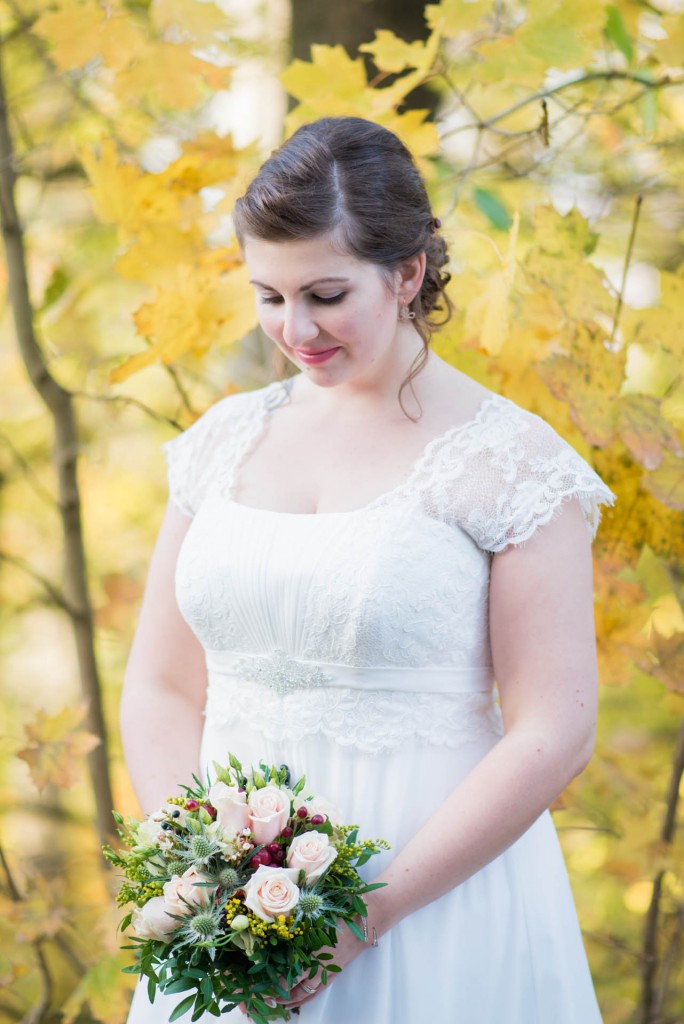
354 647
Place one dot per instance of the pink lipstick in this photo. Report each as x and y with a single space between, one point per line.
315 358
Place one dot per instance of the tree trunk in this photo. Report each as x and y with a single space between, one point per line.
60 405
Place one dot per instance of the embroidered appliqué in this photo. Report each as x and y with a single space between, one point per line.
280 673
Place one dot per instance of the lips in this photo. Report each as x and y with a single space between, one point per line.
312 357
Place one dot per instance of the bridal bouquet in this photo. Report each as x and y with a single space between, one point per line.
238 889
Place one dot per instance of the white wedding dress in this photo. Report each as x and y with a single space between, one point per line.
354 647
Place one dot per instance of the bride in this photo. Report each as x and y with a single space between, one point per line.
379 572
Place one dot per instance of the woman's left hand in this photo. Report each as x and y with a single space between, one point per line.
347 949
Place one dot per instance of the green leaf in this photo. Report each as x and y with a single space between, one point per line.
493 208
182 1007
616 31
299 785
355 930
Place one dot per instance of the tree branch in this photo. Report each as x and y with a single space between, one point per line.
55 595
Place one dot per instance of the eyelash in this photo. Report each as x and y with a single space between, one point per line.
330 300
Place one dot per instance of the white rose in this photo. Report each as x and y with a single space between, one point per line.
271 891
185 889
231 806
311 853
269 810
319 805
153 921
148 831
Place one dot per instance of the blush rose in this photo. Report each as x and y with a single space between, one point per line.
271 891
231 806
311 853
269 810
153 921
188 888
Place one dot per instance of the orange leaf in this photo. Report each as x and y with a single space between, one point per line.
57 746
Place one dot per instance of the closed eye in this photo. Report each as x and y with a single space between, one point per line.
325 300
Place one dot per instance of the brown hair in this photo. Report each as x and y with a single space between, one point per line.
356 178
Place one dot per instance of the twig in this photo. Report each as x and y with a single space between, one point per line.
591 76
129 400
625 269
50 589
30 474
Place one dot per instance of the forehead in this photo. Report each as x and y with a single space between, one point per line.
292 264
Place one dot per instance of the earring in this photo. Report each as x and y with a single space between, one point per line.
405 314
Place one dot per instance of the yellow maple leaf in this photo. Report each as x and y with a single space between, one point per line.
165 73
330 84
392 54
203 309
105 30
57 746
487 313
69 48
454 17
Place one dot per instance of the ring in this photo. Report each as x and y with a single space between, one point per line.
309 991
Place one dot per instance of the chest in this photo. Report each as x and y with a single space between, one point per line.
313 467
384 586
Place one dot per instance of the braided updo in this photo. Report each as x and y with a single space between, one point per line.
357 179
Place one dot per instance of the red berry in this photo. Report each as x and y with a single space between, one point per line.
265 857
302 813
279 857
191 805
318 819
210 810
287 832
239 894
273 847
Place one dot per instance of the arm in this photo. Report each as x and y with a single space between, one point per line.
165 681
544 654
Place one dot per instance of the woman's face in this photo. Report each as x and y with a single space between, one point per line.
333 315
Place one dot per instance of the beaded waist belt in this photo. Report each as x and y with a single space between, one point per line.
282 673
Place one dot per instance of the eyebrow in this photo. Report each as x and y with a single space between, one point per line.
305 287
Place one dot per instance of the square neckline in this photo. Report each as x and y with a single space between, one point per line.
268 406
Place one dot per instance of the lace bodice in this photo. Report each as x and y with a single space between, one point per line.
376 615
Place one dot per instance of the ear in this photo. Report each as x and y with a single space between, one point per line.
410 277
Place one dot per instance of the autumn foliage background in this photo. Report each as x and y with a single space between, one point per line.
550 134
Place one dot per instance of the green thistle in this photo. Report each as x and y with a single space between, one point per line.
229 879
201 849
310 904
202 927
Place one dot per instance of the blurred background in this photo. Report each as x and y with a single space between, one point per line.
551 137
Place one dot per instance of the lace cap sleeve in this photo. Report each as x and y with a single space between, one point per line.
207 452
521 473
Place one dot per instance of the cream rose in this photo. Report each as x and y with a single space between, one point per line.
185 889
269 810
153 922
231 806
148 832
271 891
311 853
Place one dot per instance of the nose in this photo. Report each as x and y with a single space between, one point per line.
298 325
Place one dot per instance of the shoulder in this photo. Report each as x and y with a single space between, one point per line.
511 472
215 441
